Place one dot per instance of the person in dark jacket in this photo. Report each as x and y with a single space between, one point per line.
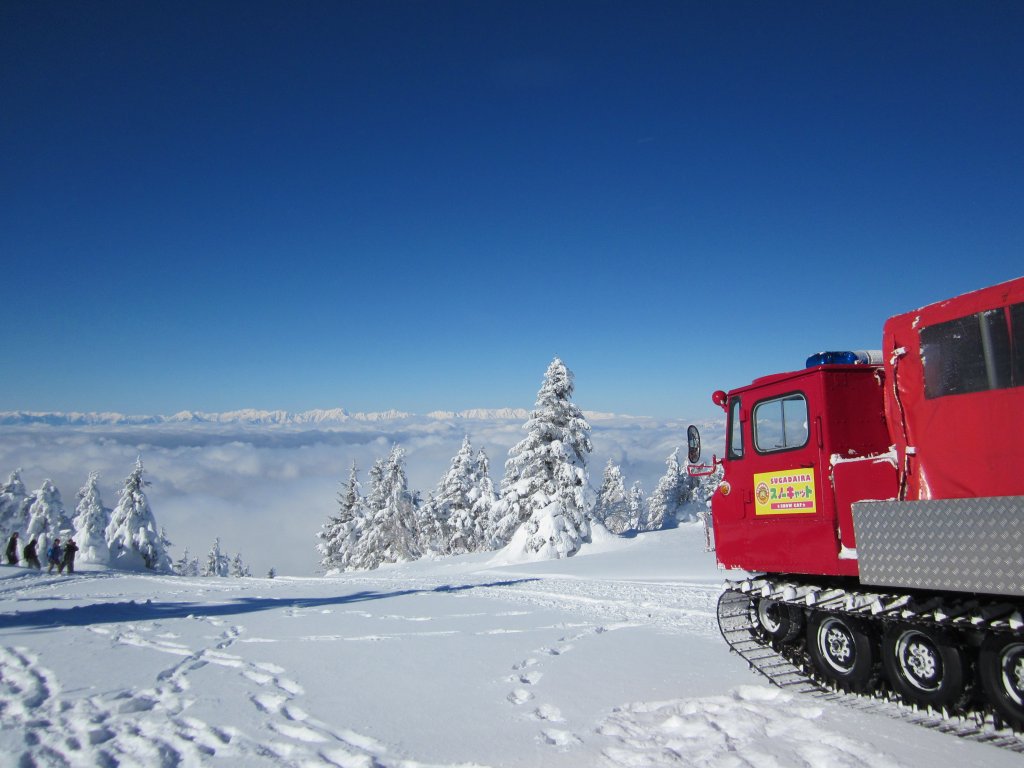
12 549
30 555
53 556
69 557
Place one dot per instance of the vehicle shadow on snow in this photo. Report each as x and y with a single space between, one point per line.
107 613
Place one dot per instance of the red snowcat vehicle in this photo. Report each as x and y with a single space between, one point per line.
877 499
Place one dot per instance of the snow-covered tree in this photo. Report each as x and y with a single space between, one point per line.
133 538
339 534
238 567
91 521
47 519
377 497
432 526
542 512
706 485
13 505
187 565
612 507
390 535
217 563
669 504
485 499
165 542
454 520
637 507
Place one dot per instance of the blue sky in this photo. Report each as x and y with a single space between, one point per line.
417 205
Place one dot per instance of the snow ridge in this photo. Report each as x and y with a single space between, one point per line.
248 416
257 417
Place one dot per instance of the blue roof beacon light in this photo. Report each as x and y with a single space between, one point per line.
852 357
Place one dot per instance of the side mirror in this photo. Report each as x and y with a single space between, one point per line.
693 444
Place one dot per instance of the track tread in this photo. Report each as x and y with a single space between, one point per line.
789 669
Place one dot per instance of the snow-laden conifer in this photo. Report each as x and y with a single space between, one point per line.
669 504
543 504
390 535
13 506
484 500
238 567
377 497
186 565
339 534
91 521
217 563
706 485
432 526
612 507
455 519
133 538
637 507
47 519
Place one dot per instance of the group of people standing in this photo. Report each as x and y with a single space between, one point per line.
57 556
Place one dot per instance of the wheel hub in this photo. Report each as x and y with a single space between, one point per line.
919 661
1013 672
836 645
768 615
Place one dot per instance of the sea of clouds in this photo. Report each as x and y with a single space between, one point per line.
265 490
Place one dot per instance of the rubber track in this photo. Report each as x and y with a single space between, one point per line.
790 669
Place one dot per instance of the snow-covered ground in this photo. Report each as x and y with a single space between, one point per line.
609 658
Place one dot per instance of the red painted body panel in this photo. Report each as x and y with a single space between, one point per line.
844 419
965 445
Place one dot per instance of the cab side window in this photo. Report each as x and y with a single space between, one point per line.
974 353
735 450
780 424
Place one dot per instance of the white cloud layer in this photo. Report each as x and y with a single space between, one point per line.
266 490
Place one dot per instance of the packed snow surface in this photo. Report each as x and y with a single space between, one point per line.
609 658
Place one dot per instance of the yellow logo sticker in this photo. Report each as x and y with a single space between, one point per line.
785 493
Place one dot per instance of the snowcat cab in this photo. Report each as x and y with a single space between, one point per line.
800 447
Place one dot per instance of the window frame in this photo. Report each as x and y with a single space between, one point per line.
1010 370
781 399
734 423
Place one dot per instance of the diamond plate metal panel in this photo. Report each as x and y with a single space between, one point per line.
959 545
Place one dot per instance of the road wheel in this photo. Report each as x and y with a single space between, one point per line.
1001 669
779 621
924 665
842 650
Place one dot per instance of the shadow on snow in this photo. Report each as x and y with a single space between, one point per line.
105 613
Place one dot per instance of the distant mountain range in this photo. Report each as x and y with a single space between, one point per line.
254 417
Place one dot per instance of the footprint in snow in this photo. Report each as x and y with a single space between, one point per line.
550 713
270 703
520 696
557 651
523 664
559 738
299 733
259 678
530 678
